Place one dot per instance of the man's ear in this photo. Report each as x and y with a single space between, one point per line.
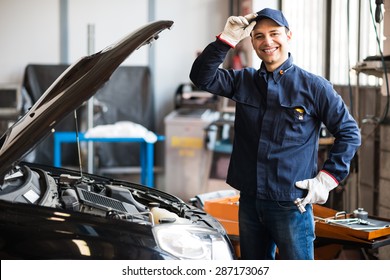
289 35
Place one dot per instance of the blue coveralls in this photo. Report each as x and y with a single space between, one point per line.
277 122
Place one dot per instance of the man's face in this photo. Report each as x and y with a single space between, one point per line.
270 42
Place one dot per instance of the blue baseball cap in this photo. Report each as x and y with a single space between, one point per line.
276 15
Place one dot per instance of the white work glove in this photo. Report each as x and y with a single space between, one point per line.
237 28
318 187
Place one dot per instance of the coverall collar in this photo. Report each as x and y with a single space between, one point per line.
279 72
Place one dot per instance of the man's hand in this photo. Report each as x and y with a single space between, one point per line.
237 28
318 187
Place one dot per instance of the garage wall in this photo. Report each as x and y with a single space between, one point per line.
112 20
29 34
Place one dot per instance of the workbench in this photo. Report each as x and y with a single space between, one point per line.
331 238
146 153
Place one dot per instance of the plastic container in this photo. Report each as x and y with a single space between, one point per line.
161 215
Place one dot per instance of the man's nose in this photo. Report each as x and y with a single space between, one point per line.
268 39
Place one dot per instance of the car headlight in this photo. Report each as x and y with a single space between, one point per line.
192 242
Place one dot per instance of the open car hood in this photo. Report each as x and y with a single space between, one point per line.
76 85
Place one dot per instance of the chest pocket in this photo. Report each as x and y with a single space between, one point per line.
251 101
293 124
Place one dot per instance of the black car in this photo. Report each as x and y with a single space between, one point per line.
54 213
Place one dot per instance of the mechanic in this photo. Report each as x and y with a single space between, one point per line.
279 109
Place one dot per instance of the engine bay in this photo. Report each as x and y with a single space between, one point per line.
94 195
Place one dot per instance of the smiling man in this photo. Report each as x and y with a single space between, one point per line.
278 115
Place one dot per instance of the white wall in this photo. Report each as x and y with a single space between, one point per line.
29 33
112 20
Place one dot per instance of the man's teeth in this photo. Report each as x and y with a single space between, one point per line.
270 50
